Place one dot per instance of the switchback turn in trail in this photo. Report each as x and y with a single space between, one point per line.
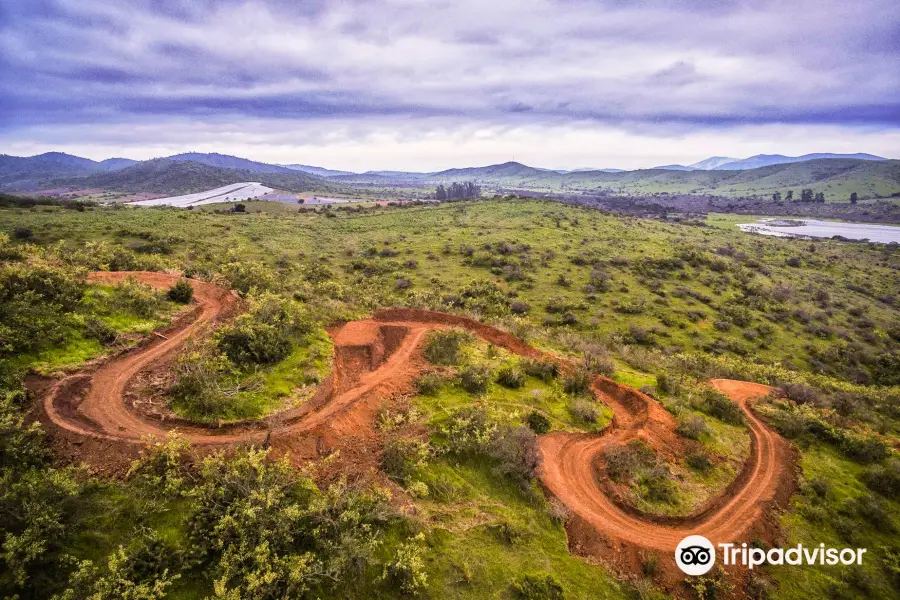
380 356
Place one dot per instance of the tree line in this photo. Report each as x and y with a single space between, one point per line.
806 195
457 191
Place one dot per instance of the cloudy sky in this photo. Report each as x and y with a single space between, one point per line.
405 84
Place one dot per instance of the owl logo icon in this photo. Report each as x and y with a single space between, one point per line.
695 555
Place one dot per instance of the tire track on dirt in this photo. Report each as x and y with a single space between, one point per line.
379 356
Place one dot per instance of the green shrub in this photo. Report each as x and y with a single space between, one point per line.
99 330
401 457
890 563
469 431
163 468
513 451
103 256
650 476
623 461
800 393
692 427
713 586
559 305
758 587
37 504
446 347
262 531
21 444
874 512
406 572
23 234
884 479
484 297
577 382
152 247
247 342
428 384
136 297
649 563
247 275
820 486
598 362
511 377
539 587
475 379
668 384
698 461
519 308
506 532
182 292
864 449
199 372
544 369
585 410
720 406
36 301
538 423
133 573
657 484
265 334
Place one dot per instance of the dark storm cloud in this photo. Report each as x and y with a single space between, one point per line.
685 63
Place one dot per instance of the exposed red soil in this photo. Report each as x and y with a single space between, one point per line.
379 358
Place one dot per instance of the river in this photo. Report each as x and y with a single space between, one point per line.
794 227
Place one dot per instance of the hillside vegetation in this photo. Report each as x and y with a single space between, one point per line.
176 177
451 509
836 178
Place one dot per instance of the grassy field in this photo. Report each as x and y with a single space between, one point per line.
527 251
641 298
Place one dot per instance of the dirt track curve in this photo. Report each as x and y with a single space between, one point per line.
379 356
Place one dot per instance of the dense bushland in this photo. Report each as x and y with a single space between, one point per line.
624 298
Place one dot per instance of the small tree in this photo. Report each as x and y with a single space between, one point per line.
538 423
776 197
542 586
181 292
854 198
820 198
806 195
23 233
790 196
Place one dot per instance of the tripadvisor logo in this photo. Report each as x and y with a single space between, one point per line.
696 555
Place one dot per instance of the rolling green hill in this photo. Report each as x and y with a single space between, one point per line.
507 170
164 176
836 178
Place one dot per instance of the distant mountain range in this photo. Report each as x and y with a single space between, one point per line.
25 173
765 160
176 175
834 174
321 172
723 163
713 162
226 161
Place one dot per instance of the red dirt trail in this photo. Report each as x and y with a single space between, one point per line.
380 356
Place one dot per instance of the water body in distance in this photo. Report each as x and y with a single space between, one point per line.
884 234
